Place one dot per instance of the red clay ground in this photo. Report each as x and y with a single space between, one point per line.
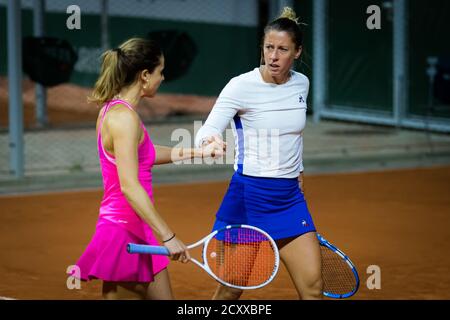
398 220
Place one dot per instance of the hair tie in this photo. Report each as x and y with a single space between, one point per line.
118 50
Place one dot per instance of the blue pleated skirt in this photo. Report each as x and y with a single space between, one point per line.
275 205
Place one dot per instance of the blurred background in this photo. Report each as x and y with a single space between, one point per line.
382 67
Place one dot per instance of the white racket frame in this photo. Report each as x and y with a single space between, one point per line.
206 267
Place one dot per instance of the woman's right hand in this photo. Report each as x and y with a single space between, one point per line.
178 250
213 147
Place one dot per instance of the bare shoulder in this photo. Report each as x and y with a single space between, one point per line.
121 119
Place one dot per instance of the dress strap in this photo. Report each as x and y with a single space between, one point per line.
107 107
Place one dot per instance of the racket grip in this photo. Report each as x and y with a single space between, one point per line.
142 248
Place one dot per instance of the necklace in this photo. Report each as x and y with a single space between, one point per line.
119 97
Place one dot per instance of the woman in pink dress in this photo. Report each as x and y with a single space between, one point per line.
130 72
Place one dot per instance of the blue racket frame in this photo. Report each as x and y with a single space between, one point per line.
324 242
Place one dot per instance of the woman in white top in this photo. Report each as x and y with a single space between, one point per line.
267 111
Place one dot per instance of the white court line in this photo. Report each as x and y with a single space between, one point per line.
49 192
6 298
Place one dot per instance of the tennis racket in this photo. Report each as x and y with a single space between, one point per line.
340 278
237 256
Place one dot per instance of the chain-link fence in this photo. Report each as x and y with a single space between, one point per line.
60 124
216 29
397 75
393 73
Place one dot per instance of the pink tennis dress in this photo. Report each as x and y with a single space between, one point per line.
106 256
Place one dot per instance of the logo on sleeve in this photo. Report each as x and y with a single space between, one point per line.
301 99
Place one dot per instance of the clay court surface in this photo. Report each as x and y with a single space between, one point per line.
398 220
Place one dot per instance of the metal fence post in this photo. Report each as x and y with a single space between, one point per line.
320 81
41 91
16 147
400 62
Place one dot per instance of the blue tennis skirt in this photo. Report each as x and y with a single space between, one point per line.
275 205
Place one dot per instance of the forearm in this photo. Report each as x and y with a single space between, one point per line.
218 120
139 200
168 155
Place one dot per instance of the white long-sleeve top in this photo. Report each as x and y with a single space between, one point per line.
267 122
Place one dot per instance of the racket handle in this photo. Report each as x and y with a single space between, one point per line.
142 248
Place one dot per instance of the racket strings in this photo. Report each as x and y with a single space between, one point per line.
337 275
241 257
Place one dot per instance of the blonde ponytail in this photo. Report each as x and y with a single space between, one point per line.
121 66
110 80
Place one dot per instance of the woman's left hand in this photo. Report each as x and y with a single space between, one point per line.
214 149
